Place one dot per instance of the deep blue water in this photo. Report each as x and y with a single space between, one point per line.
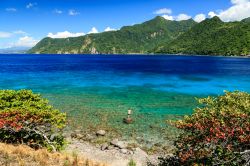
184 74
100 89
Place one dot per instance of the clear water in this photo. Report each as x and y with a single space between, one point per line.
97 91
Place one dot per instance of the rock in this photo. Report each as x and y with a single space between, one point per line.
128 120
124 151
139 152
111 147
100 133
104 146
78 131
66 135
140 140
122 145
90 137
73 135
158 144
76 134
114 142
79 136
119 144
130 152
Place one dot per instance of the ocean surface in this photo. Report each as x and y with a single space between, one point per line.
97 91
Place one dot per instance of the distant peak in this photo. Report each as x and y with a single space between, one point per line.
247 20
160 18
216 18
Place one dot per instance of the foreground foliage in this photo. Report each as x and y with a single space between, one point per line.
27 118
218 133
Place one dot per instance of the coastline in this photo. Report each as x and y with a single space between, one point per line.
113 156
136 54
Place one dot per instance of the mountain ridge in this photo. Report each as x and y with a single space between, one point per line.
212 37
158 36
139 38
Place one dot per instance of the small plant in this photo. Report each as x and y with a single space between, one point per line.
132 163
27 118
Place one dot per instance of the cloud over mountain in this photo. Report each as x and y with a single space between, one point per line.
65 34
239 10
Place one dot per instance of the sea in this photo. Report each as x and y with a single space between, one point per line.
96 91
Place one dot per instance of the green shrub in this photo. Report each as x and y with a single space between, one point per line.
218 133
27 118
131 163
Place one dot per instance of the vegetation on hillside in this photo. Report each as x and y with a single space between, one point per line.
27 118
212 37
139 38
218 133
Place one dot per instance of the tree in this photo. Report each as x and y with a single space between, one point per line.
27 118
218 132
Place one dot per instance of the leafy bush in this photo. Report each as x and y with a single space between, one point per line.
132 163
218 133
170 161
27 118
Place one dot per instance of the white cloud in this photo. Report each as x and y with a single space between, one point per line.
25 41
12 34
58 11
11 9
20 32
93 30
73 12
239 10
199 17
163 11
109 29
5 34
211 14
168 17
30 5
181 17
166 13
239 1
65 34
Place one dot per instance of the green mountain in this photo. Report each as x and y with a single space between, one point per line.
212 37
140 38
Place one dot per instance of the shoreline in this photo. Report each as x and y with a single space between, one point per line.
136 54
112 155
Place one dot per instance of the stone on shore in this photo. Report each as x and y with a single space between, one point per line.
124 151
104 146
119 144
101 133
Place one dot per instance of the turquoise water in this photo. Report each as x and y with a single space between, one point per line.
97 91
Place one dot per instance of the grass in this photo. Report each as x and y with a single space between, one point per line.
131 163
22 155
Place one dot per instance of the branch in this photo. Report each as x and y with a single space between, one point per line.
245 152
248 163
43 135
46 138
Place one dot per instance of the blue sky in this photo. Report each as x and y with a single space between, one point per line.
24 22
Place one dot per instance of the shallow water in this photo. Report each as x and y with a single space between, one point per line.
98 90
